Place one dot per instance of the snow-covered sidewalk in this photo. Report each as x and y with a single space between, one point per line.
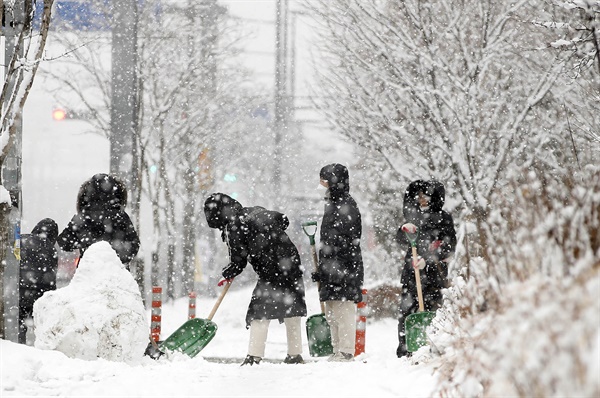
27 371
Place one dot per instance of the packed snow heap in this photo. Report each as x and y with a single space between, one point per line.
100 314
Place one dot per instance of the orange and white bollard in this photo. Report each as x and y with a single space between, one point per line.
192 306
361 324
156 313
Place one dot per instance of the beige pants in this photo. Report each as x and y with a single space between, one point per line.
259 328
341 316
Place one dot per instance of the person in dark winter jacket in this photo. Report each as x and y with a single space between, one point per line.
37 274
101 217
435 242
341 270
257 235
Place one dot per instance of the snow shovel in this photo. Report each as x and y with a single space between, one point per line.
195 334
416 324
317 328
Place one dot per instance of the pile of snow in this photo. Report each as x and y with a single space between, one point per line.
100 314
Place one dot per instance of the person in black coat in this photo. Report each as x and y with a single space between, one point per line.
38 266
341 272
435 242
101 217
257 235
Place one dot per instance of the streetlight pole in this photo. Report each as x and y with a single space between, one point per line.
124 111
124 101
281 98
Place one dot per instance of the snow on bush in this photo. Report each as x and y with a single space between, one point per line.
527 323
544 341
100 314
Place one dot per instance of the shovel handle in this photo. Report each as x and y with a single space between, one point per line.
218 303
316 263
418 280
313 250
412 238
311 237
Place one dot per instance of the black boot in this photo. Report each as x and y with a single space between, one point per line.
401 351
293 359
251 360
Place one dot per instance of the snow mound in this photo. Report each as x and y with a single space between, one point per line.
100 314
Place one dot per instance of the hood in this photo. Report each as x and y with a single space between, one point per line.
432 188
337 177
101 192
220 209
46 229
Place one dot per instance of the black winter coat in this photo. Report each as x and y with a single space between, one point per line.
434 225
341 272
39 261
38 266
100 217
256 235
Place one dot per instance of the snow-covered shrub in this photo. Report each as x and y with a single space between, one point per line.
544 340
527 324
549 221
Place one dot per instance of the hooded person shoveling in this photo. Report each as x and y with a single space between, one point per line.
257 235
429 238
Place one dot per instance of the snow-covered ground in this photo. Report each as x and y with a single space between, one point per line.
216 371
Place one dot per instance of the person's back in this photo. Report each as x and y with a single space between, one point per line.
272 254
100 217
38 266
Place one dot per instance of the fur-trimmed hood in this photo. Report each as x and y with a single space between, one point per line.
221 209
46 229
432 188
101 192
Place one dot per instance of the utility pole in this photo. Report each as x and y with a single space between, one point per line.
124 111
11 180
280 124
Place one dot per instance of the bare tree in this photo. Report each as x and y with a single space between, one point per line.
28 41
438 89
192 94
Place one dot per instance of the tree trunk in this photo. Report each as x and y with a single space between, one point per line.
189 233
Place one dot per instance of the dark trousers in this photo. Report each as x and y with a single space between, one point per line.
26 299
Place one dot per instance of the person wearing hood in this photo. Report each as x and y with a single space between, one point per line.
341 272
435 242
101 217
37 274
257 235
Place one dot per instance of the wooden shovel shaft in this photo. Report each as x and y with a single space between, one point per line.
415 256
218 303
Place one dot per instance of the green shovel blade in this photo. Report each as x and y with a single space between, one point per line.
191 337
319 336
415 326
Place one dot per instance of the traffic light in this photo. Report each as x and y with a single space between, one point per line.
230 177
59 114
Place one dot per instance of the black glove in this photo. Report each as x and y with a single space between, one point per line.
316 277
231 271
